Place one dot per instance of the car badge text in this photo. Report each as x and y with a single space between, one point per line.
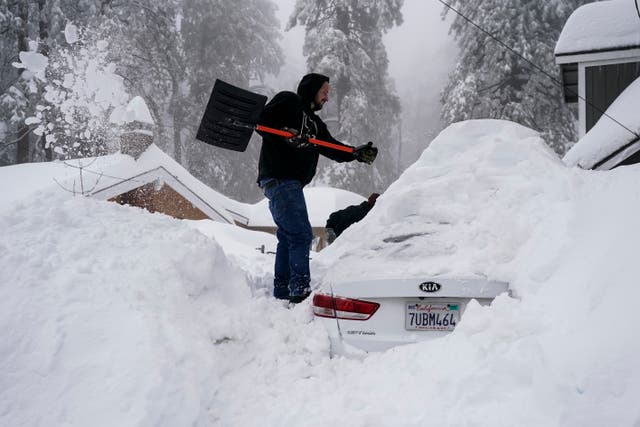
430 286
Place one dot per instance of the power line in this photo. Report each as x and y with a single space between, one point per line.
535 66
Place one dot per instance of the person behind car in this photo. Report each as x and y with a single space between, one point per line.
286 165
341 220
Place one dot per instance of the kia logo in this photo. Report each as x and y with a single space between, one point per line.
430 286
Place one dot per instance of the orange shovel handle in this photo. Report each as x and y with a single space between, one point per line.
314 141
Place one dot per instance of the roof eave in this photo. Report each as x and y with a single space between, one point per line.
597 54
617 156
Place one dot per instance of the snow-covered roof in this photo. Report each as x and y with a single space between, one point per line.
50 177
137 110
608 138
155 165
104 177
321 201
600 26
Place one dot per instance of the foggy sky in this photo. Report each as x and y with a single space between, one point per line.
420 50
421 54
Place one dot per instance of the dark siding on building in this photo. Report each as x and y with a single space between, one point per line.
570 82
603 85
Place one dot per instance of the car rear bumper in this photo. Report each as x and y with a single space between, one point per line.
354 344
383 331
375 315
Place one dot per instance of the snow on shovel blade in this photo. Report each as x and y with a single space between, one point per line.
230 117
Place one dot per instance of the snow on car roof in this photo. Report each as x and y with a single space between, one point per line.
463 209
605 25
607 136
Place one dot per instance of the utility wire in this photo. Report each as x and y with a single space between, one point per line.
535 66
637 9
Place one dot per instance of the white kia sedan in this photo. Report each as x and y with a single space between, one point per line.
375 315
446 232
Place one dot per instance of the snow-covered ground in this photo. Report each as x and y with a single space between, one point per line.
110 315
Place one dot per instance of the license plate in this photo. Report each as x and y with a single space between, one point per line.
427 316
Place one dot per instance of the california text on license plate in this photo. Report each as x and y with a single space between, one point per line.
427 316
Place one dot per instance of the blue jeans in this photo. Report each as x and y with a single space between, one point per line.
289 211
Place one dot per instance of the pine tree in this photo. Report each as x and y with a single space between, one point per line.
172 52
15 94
344 41
148 47
31 26
489 81
238 43
169 52
80 93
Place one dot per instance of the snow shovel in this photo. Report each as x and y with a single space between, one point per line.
232 115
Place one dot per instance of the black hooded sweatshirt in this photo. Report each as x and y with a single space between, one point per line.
280 160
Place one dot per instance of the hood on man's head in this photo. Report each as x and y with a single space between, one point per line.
309 87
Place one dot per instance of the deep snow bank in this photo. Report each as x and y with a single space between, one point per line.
105 314
492 200
473 199
113 316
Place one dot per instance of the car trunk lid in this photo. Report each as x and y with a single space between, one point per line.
432 287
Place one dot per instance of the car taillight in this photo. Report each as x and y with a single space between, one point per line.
343 308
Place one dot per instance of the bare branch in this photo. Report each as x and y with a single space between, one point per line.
15 141
96 184
72 191
103 174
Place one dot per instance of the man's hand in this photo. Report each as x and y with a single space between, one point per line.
296 141
366 153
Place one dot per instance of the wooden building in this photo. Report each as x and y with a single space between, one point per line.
148 178
164 189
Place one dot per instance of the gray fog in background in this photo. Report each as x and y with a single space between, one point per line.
421 54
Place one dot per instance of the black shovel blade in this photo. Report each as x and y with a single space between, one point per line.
231 116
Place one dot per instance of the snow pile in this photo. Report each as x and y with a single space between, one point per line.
114 316
57 177
104 320
136 110
71 33
607 136
34 62
603 25
465 208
